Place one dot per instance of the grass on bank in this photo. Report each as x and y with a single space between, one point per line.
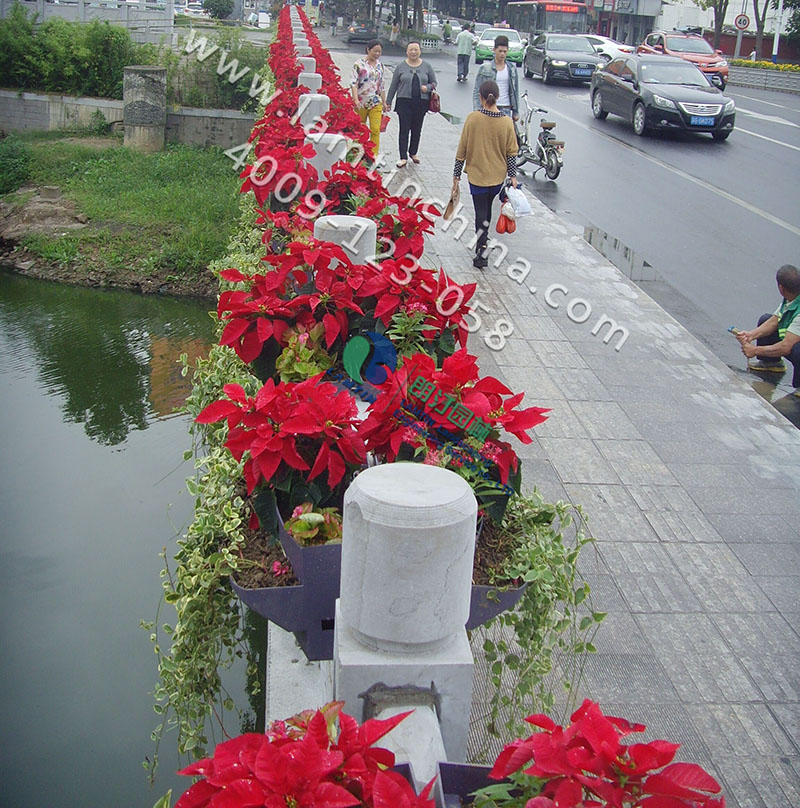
173 211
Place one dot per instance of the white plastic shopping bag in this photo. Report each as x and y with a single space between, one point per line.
519 202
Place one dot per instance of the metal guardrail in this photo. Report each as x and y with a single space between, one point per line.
761 79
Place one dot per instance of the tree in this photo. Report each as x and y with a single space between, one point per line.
720 10
220 9
793 23
760 15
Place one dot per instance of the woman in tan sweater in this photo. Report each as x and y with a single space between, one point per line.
488 146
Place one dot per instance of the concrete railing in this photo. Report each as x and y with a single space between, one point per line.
762 79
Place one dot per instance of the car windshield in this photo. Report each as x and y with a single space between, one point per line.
491 33
680 44
564 43
673 74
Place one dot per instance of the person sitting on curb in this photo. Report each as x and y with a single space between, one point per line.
505 74
777 335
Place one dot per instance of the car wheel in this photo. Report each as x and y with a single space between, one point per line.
597 106
547 75
639 119
528 74
720 135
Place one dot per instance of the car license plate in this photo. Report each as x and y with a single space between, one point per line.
583 71
700 120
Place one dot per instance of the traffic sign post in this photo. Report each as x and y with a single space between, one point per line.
742 22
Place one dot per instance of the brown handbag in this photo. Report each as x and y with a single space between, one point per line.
435 103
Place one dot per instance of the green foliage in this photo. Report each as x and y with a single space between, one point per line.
315 525
539 647
304 356
406 331
15 163
163 218
206 635
219 9
66 57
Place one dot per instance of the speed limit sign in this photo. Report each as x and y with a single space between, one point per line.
742 22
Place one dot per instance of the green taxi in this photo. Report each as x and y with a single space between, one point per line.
484 47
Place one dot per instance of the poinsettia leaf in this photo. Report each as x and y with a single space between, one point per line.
216 411
197 796
388 792
332 796
240 794
691 775
375 728
264 506
233 331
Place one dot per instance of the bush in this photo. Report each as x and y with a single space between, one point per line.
219 9
15 164
66 57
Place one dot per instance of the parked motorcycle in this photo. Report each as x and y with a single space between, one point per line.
546 152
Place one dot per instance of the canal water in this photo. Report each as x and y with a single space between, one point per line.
91 488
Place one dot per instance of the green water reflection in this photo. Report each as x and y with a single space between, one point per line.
91 489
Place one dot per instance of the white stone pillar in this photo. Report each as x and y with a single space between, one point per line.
329 150
357 234
308 63
303 50
312 106
144 99
311 80
409 540
300 40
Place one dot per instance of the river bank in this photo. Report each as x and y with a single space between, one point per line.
94 213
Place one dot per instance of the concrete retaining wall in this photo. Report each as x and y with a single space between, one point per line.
764 79
198 127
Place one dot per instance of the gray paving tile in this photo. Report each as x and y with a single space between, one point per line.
557 355
783 591
741 499
578 461
741 730
767 647
707 473
605 594
766 782
697 660
641 677
690 526
662 498
664 722
562 422
620 634
718 579
611 512
540 474
685 450
537 329
663 592
580 385
760 528
637 557
605 419
534 381
769 559
788 717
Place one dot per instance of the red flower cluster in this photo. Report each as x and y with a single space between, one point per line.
586 765
289 427
305 762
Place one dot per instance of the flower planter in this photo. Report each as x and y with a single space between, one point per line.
282 605
459 780
489 601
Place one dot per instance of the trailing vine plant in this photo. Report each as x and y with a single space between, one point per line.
538 650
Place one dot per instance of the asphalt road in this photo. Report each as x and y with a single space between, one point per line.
715 220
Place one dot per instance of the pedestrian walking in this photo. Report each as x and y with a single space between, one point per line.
777 335
488 148
366 86
395 32
505 74
447 32
413 82
465 42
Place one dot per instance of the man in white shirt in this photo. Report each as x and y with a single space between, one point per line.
505 74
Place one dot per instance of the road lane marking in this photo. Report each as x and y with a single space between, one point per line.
761 101
762 117
770 139
702 183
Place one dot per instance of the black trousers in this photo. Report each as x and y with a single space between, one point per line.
411 112
793 356
482 202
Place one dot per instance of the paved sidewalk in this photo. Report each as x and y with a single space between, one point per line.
690 480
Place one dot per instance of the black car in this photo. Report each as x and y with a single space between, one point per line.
361 31
561 56
661 92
